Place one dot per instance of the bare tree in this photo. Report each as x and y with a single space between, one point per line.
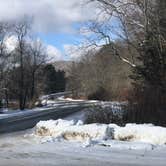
21 31
100 75
118 19
38 55
4 59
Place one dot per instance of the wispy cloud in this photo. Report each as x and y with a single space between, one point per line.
75 52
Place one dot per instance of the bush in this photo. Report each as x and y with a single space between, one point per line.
98 114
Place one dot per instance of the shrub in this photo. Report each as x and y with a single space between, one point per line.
98 114
100 94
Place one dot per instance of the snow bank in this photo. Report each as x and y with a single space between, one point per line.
69 130
86 132
142 133
52 127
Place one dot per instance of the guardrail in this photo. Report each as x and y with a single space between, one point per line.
55 95
27 119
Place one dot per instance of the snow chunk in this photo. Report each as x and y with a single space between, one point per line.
142 133
52 127
85 132
69 130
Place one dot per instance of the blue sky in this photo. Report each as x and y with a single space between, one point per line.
61 39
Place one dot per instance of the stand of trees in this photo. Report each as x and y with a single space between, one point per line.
149 95
100 76
21 70
141 26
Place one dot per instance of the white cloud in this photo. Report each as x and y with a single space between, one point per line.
54 54
10 43
48 15
75 52
72 51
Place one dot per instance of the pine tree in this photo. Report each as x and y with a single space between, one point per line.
54 81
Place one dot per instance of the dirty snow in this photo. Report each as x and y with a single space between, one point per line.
69 130
143 133
72 130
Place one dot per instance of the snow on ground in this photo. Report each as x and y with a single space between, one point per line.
144 133
101 134
18 150
93 147
70 142
70 131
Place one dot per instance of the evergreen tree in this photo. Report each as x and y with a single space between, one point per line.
150 75
54 81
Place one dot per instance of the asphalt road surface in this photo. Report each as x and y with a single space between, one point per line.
21 120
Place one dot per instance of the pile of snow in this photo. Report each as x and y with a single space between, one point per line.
69 130
52 127
90 133
142 133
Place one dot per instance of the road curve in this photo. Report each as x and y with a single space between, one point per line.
22 120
